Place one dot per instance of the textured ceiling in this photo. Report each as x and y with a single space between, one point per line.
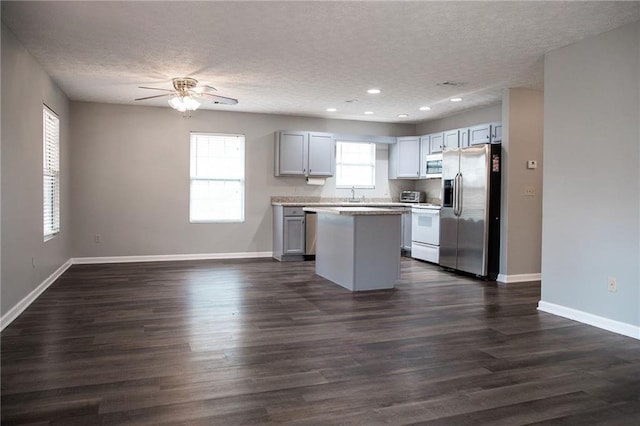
299 58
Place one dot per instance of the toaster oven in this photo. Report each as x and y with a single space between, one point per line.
411 197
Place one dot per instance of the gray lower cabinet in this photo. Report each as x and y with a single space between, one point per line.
293 235
406 230
405 241
289 233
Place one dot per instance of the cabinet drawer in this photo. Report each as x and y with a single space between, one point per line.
293 211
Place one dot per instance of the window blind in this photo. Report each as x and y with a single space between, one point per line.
51 173
217 178
355 164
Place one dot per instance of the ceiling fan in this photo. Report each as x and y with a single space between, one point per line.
185 93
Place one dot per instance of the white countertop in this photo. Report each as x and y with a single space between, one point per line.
353 210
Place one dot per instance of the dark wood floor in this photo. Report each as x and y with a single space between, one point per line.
256 342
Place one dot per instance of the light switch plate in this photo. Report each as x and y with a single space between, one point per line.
529 191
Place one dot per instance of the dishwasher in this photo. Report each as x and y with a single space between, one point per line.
311 222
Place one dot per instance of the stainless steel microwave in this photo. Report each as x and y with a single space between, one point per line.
433 166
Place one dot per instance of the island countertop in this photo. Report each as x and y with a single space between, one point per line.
354 211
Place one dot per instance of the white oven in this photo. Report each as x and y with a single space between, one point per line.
425 233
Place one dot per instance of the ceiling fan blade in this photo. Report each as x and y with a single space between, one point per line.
154 96
208 86
155 88
216 99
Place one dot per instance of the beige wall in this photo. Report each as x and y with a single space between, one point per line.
25 86
591 221
521 215
131 178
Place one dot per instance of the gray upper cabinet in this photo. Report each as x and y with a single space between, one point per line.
321 154
424 151
451 139
496 132
480 134
404 158
291 153
436 143
464 138
304 154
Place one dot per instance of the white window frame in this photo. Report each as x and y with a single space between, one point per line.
194 176
50 173
340 164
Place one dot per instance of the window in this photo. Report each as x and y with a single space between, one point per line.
217 178
355 164
50 173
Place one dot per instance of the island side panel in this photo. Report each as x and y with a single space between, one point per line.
377 257
335 249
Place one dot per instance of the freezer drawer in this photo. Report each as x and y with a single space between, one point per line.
426 252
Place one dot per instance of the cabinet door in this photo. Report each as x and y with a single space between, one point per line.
292 152
408 157
464 138
480 134
451 139
496 132
406 230
321 154
294 235
424 151
436 143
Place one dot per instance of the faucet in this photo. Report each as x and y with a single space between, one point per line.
353 193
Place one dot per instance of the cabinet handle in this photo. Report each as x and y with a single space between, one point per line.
304 170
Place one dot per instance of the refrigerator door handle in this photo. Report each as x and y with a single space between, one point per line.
455 195
459 200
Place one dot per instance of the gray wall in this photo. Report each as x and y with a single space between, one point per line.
463 119
131 178
25 86
521 216
591 206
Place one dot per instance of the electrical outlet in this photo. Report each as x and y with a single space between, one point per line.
612 284
97 238
529 191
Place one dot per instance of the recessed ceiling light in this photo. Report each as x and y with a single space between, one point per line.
455 99
425 108
373 91
403 115
331 110
368 112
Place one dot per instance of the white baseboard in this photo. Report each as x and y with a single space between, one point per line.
169 257
14 312
625 329
518 278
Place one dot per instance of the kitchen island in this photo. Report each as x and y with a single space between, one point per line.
357 247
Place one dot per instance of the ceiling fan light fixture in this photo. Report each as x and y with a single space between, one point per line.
184 103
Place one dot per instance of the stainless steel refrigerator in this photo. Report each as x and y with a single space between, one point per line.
470 214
